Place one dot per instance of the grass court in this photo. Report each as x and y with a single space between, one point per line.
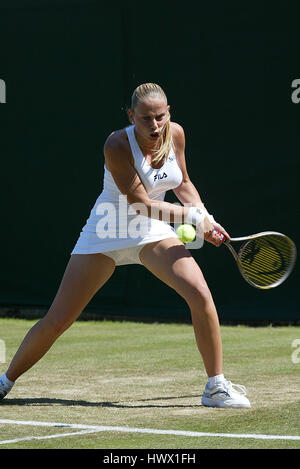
127 385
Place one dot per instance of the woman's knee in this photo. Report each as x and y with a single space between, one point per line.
197 295
57 323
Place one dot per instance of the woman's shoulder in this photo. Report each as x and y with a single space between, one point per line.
176 128
116 140
177 133
116 146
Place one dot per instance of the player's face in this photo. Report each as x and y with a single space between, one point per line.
150 117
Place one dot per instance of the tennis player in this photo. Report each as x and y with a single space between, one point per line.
142 162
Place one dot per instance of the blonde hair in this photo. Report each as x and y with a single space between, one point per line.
143 92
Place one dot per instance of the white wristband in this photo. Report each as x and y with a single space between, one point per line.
195 216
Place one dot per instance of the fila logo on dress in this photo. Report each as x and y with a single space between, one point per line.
160 176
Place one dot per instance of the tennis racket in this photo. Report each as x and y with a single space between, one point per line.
265 259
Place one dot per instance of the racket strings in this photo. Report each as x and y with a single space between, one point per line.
267 260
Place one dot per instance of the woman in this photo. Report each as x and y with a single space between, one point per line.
142 162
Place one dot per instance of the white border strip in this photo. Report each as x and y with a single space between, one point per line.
153 431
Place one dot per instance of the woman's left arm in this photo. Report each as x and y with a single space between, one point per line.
187 192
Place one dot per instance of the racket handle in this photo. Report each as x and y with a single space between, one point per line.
223 237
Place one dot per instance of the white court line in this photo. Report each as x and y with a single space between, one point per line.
57 435
153 431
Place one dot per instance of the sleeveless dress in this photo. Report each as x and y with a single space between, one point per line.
113 227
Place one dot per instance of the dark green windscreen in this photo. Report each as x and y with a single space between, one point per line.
70 68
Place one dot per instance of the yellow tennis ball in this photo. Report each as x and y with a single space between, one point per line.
186 233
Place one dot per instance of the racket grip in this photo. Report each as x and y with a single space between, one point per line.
222 237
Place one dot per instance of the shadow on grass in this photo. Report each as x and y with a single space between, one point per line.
45 401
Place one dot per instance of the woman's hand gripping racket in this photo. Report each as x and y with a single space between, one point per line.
265 259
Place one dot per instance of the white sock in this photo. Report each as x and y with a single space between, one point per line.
214 380
6 383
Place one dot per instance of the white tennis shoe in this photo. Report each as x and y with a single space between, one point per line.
4 388
224 395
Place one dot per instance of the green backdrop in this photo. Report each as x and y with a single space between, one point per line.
70 68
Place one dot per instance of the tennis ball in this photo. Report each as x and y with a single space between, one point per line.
186 233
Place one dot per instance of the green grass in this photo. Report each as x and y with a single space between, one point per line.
151 376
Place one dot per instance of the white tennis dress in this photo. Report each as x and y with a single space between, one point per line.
113 227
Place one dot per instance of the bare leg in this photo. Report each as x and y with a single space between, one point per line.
172 263
83 277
